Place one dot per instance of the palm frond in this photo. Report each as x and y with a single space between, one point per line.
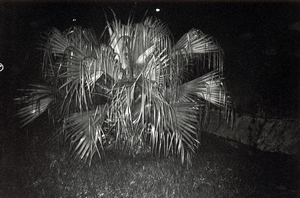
86 133
197 54
36 100
187 118
155 94
211 89
196 42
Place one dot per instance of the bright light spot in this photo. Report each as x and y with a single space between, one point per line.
74 20
1 67
157 10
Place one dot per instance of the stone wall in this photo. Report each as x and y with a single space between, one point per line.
274 135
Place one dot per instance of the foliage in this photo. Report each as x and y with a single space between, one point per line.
218 170
135 92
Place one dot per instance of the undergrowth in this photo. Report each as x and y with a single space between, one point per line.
218 170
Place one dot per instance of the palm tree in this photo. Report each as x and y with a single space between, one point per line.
138 92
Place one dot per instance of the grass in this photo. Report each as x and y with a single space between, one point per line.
219 170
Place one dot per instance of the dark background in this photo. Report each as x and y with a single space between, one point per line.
259 40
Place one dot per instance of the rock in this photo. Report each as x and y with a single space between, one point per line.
273 135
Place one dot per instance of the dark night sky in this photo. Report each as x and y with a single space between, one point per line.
256 38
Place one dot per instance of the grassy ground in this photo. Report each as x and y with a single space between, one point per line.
219 170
